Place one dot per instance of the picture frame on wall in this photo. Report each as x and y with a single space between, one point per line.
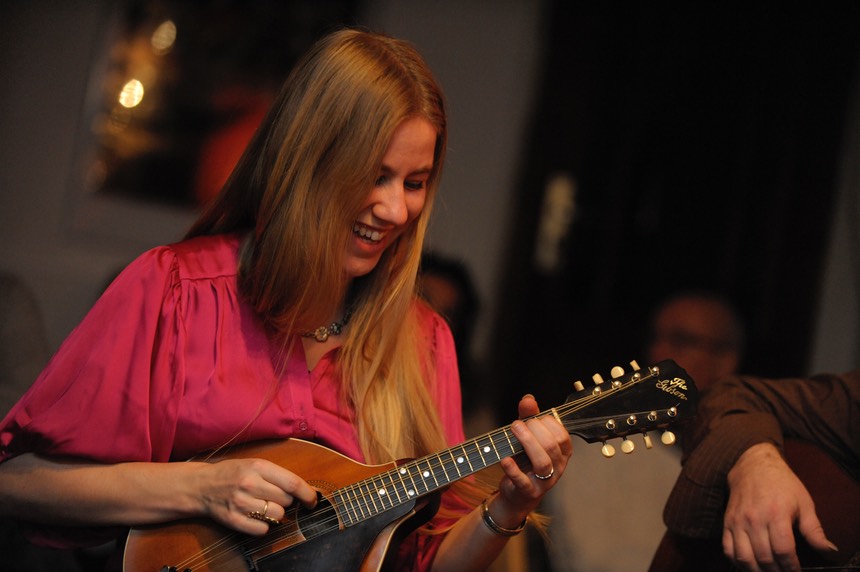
176 90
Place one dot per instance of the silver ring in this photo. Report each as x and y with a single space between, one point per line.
545 477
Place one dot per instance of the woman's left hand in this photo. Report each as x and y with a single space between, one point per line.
548 448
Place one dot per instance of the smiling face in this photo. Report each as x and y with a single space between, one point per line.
397 197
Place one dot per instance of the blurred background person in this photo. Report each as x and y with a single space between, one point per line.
446 284
607 513
702 331
23 342
23 353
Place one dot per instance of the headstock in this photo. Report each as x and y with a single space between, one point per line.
637 402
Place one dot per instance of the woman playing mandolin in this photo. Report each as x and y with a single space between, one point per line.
288 311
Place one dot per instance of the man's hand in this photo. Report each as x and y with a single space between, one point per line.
765 500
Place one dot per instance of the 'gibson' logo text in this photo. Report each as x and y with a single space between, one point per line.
675 387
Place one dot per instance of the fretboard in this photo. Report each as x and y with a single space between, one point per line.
365 499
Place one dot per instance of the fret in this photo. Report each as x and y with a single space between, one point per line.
369 495
463 455
426 474
341 505
411 492
455 463
444 471
381 494
399 486
480 454
355 504
356 507
392 487
513 448
483 449
496 451
406 483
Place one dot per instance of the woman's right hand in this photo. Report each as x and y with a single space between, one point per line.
77 492
231 489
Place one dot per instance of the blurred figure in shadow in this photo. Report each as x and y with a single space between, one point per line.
702 331
23 342
607 514
24 351
445 283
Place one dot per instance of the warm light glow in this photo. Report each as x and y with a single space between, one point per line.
131 94
557 215
164 37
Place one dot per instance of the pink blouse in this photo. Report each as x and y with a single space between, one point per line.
171 361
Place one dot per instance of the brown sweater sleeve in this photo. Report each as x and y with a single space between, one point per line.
743 411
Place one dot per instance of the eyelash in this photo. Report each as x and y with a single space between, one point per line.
410 185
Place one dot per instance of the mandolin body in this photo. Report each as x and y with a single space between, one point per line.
199 545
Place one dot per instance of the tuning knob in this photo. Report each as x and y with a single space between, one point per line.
627 446
647 438
607 450
617 371
668 438
598 379
577 385
634 365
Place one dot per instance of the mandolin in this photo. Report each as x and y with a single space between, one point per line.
364 510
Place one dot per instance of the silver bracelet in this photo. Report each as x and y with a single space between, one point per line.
500 530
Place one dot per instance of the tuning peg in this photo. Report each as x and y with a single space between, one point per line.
617 371
627 446
577 385
668 438
598 379
634 365
647 438
607 450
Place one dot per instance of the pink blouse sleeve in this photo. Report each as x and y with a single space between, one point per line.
111 391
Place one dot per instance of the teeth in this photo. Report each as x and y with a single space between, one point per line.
363 232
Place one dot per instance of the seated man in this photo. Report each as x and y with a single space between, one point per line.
737 488
704 334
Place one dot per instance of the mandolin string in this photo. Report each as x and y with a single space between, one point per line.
206 554
229 543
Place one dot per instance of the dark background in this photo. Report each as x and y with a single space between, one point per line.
705 144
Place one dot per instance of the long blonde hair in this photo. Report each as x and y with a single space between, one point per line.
296 190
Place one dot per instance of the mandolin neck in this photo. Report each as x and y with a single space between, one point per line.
414 479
